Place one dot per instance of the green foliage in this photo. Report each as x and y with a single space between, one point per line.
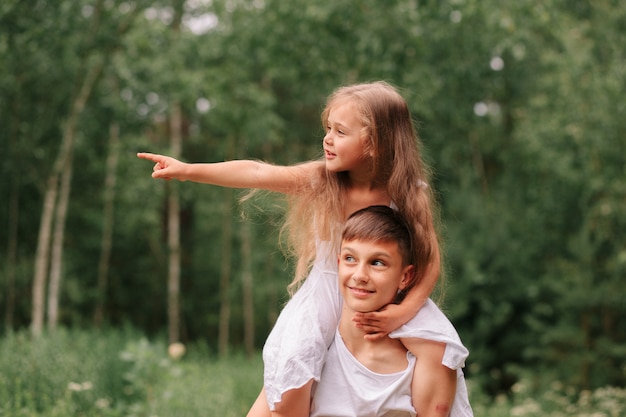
113 373
519 105
123 374
65 373
226 387
556 400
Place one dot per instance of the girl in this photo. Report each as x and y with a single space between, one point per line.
371 157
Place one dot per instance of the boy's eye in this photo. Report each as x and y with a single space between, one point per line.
378 262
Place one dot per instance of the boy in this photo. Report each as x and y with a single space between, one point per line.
376 378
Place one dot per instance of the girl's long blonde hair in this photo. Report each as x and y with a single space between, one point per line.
317 211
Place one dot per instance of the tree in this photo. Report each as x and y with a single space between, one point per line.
173 202
56 200
107 221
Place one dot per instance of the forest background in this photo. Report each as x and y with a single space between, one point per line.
519 106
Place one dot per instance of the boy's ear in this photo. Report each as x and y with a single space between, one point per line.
408 274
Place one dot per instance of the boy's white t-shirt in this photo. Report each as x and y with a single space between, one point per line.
347 388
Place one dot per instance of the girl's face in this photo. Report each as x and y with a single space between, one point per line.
371 273
346 145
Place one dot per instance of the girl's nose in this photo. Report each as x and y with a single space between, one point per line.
327 138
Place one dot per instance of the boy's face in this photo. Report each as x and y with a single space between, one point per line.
371 273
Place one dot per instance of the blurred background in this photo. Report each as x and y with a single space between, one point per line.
519 104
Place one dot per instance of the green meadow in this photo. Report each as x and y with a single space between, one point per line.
121 373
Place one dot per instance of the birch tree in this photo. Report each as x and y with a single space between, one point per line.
108 211
89 67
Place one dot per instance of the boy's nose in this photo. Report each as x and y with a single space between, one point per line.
360 275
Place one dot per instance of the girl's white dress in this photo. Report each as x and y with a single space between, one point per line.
296 349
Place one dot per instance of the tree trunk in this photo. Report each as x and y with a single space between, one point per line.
14 212
11 252
42 256
56 261
173 201
108 212
63 168
585 365
225 271
173 226
272 294
246 284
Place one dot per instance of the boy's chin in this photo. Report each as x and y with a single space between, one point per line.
363 310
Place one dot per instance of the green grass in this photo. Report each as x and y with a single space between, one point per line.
115 373
122 374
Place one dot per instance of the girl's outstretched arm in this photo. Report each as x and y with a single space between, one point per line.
233 174
379 324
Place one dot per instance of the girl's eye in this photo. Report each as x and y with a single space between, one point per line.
348 258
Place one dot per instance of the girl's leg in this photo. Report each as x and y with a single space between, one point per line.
295 402
260 407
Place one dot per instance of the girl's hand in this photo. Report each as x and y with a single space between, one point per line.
378 324
165 167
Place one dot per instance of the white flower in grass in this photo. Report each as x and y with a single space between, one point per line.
74 386
78 387
176 350
103 403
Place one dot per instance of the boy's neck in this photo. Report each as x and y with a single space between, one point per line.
384 355
354 337
351 335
